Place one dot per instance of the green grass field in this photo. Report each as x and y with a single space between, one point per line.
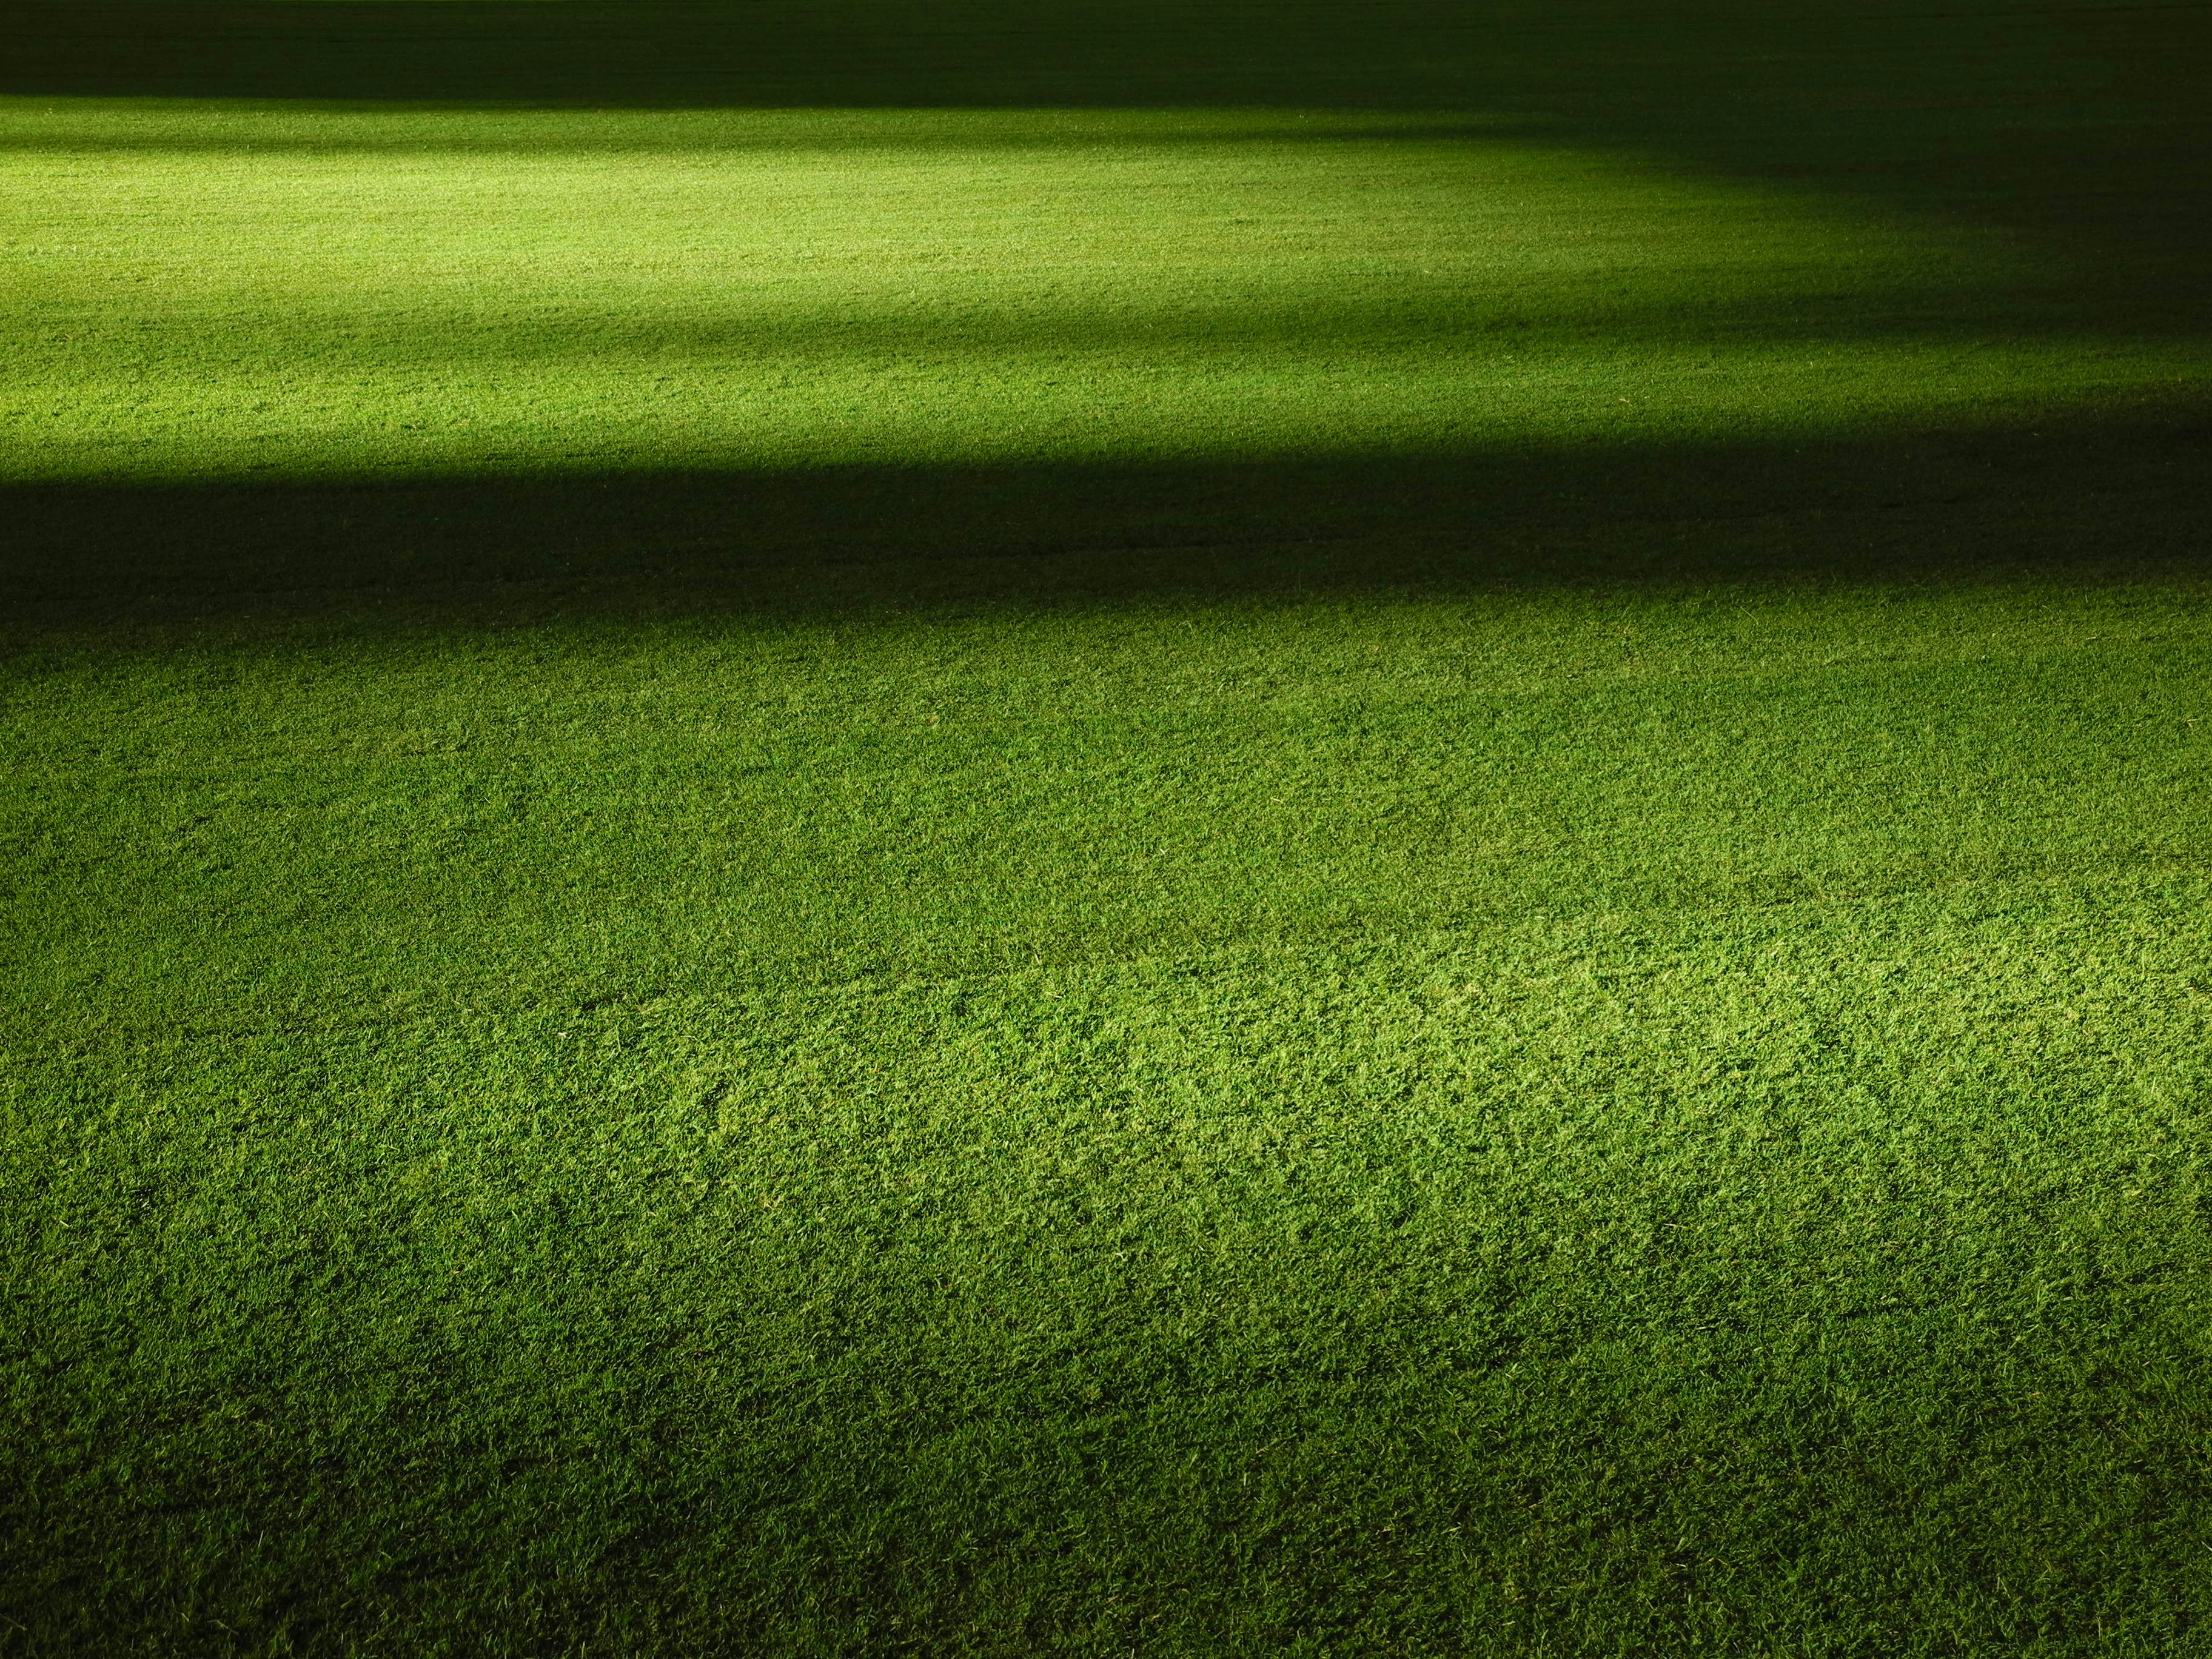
962 829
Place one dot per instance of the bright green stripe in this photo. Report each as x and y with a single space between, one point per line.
394 296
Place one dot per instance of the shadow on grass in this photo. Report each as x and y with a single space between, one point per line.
2074 125
1428 1437
2069 130
2099 496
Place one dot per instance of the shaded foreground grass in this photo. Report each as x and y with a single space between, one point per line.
1826 1281
1212 832
1576 1118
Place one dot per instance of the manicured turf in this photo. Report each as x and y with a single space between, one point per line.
1323 829
438 293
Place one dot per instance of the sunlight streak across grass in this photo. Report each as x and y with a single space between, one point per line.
337 292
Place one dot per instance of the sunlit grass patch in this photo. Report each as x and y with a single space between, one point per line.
340 292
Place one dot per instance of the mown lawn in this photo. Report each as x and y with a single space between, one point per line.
1208 830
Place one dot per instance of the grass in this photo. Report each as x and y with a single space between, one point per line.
367 293
1171 832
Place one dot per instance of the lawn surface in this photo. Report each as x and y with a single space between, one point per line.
1339 830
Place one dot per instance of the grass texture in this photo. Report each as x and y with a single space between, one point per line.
371 294
1199 831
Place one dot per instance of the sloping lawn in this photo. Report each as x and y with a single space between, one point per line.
930 862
